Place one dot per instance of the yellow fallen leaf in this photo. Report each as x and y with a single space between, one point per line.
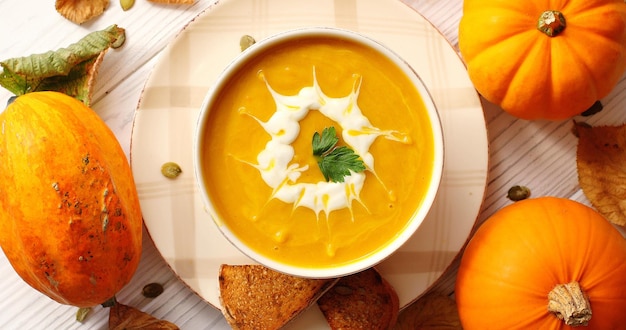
80 11
601 164
433 311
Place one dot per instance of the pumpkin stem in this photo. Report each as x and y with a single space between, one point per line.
551 22
570 304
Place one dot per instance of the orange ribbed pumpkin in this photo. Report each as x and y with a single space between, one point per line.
534 259
70 222
541 59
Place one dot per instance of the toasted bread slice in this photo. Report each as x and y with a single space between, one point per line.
256 297
364 300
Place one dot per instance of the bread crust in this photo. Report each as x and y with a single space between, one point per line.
364 300
256 297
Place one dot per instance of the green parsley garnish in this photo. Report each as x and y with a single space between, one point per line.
335 162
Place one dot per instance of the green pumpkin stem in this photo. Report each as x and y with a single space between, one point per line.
551 22
569 303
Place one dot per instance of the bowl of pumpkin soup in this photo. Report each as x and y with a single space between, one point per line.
318 152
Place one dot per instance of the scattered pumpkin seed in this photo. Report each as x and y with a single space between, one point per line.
246 41
81 313
127 4
152 290
595 108
518 193
171 170
109 303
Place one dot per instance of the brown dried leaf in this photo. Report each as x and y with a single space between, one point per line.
433 311
601 163
174 2
123 317
80 11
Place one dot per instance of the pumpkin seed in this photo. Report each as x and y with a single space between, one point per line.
595 108
152 290
127 4
110 302
81 313
246 41
518 193
171 170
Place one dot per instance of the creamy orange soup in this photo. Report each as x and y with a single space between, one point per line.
379 203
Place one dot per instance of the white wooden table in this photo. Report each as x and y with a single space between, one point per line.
538 154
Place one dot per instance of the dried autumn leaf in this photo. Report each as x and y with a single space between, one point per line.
123 317
433 311
70 70
601 164
80 11
79 83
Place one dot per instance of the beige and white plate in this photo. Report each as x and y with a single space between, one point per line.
165 122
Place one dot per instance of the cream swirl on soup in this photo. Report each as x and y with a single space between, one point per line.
275 161
257 158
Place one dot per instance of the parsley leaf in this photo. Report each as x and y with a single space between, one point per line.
324 143
335 162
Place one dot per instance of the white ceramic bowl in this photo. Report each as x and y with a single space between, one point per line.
372 259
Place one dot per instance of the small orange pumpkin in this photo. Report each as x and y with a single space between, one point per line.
544 59
70 222
543 263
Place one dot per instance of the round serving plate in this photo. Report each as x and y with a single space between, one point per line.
166 117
